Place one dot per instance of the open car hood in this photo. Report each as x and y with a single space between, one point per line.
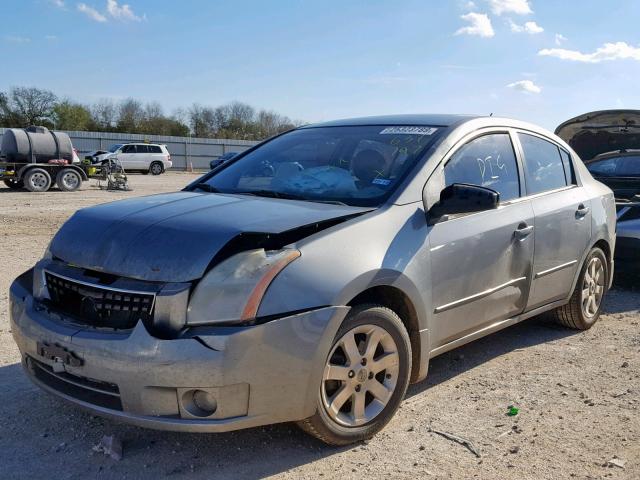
174 237
603 131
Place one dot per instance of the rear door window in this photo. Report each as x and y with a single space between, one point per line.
142 149
543 166
488 161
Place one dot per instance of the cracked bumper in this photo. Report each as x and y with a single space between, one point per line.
257 375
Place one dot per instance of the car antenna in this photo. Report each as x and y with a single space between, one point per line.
491 114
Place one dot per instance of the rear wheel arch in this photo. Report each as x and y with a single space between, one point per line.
398 301
603 245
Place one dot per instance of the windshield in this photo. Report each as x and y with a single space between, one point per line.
352 165
115 147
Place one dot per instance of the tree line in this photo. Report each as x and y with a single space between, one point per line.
24 106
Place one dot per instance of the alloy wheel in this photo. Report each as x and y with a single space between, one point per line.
593 287
360 375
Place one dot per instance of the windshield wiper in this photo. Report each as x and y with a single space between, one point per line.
271 194
287 196
207 188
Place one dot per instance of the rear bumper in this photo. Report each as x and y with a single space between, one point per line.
257 375
167 164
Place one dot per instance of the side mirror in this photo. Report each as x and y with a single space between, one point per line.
464 198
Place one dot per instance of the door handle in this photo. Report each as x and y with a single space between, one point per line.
582 211
523 231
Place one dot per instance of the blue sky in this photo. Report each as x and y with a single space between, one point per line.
536 60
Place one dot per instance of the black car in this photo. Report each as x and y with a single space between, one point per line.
608 142
619 170
216 162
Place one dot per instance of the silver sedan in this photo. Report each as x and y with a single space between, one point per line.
313 277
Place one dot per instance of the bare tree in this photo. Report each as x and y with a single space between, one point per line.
104 114
130 115
30 106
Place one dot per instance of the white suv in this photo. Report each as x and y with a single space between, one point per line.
143 157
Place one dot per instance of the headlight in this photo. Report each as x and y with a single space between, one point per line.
39 285
233 290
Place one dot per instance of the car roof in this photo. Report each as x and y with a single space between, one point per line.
438 120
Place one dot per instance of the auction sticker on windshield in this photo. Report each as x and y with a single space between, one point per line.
409 131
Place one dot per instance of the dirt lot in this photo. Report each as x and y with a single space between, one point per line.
578 394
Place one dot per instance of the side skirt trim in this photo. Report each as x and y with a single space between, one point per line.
494 327
555 269
477 296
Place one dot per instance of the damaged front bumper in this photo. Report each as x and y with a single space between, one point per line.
217 379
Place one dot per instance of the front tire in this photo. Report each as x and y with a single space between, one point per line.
365 377
585 305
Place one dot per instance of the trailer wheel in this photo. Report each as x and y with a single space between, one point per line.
13 184
68 180
37 180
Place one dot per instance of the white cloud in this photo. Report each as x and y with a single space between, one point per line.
479 24
559 39
518 7
17 39
526 86
529 27
609 51
51 38
121 12
57 3
91 12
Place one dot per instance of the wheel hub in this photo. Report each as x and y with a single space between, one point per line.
360 375
593 287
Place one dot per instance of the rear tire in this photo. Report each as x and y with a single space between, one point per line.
360 392
585 305
156 168
13 184
37 180
68 180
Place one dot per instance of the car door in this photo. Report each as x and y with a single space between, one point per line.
126 157
480 262
142 158
562 222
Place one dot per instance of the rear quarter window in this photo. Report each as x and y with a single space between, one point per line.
154 149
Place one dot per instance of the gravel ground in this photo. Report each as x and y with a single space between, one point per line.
578 394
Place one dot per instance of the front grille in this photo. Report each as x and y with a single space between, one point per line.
95 392
99 306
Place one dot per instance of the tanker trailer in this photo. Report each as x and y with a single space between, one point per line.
37 158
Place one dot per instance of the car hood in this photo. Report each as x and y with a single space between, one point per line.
599 132
174 237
